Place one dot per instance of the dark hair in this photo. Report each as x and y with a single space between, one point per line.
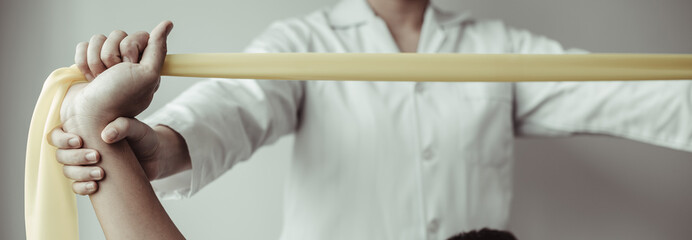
484 234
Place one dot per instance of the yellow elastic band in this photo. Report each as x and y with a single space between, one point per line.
50 208
432 67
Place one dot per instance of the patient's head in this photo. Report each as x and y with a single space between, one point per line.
484 234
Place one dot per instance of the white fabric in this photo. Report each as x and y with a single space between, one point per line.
403 160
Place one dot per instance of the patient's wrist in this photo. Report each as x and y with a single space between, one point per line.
85 126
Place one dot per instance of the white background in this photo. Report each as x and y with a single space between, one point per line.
584 187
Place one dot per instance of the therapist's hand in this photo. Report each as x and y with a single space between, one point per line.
78 162
121 84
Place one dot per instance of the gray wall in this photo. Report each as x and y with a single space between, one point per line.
576 188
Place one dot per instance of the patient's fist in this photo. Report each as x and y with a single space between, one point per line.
124 89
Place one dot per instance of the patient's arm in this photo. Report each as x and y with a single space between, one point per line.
125 203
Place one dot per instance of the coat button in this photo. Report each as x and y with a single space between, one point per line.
427 154
420 87
433 226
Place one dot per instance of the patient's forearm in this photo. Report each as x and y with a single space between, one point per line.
125 203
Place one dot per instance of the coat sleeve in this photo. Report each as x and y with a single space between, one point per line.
654 112
223 121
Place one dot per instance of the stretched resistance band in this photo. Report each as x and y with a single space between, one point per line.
50 206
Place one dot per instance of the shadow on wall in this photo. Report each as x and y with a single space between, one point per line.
592 187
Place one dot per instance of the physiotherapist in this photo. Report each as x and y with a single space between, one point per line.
376 160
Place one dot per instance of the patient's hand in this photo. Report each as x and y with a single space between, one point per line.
120 84
123 89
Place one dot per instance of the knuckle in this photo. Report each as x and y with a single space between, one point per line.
97 37
110 57
82 45
125 41
80 57
94 62
142 37
75 157
83 67
128 48
81 64
118 33
84 173
76 173
141 33
130 44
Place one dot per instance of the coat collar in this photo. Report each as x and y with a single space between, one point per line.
348 13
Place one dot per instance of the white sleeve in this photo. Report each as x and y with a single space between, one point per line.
223 121
654 112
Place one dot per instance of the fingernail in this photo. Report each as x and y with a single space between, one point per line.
91 186
89 76
91 157
111 134
96 174
126 59
73 142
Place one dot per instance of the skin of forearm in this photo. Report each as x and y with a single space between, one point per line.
174 156
125 203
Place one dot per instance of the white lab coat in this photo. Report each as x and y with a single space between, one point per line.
403 160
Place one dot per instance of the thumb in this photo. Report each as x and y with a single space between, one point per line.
124 127
155 52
